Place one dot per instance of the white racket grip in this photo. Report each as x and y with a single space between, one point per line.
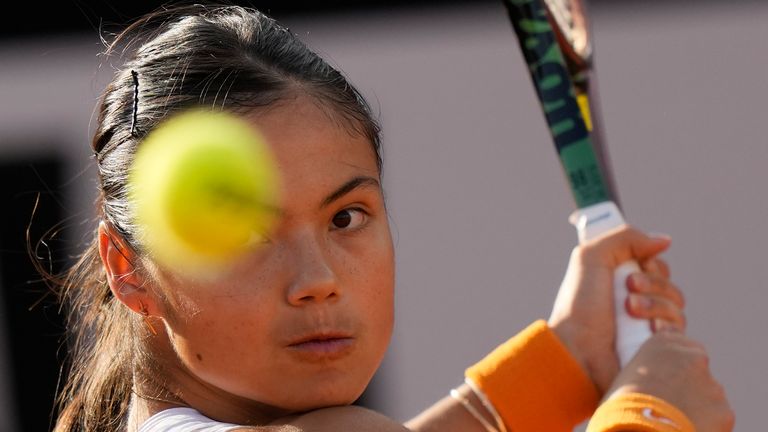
631 332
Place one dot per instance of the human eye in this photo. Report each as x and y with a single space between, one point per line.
349 219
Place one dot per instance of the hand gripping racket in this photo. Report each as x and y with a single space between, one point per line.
555 39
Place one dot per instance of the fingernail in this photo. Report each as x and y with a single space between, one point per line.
660 325
660 237
640 281
639 302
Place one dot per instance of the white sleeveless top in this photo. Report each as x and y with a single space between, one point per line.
184 420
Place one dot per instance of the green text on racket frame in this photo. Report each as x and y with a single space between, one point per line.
558 100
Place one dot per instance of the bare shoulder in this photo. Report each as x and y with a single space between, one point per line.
334 419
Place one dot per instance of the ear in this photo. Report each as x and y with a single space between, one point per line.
125 282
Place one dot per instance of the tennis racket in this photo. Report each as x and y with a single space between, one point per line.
555 39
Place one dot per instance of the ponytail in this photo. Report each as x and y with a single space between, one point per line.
98 390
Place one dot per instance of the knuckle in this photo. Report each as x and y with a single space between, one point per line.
677 314
671 288
680 296
663 267
652 266
582 251
724 418
730 419
719 391
700 361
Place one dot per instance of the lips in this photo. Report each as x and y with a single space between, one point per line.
322 347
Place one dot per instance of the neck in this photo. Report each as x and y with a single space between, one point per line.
181 388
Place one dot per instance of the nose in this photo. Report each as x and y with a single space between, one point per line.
314 278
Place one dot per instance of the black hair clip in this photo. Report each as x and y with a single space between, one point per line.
135 101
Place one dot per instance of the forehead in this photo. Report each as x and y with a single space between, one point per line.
311 148
301 128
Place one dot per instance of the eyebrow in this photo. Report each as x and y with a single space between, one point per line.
349 186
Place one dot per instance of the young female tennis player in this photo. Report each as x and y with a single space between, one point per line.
291 336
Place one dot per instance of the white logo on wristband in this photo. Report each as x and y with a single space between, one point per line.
650 415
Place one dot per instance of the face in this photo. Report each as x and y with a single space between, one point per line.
303 321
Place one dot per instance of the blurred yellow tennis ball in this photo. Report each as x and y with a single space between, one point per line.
205 188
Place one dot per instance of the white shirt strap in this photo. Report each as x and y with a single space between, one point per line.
184 420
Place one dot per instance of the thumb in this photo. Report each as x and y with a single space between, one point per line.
626 243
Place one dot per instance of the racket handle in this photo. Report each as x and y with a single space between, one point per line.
631 332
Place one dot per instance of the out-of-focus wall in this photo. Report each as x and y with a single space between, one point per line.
478 206
49 88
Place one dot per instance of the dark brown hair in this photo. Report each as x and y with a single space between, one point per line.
221 57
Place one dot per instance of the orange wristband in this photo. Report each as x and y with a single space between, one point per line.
639 412
534 383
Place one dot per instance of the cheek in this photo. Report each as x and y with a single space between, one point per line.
376 280
233 326
380 283
227 334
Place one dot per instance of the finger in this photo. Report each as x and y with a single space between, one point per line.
652 307
624 244
643 283
644 246
656 266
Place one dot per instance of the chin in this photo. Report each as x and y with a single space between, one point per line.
311 405
326 395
